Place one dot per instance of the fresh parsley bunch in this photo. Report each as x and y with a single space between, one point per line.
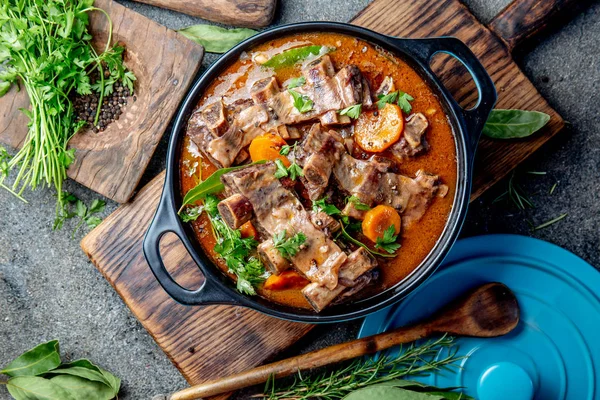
45 46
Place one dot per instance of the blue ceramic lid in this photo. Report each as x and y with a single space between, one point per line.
554 353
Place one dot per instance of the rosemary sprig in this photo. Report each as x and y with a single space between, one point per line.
416 360
515 194
548 223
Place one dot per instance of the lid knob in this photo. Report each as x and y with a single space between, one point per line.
505 380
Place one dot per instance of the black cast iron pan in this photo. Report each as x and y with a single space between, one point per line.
466 124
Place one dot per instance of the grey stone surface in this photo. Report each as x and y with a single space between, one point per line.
49 289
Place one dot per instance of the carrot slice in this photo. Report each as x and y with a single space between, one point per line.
289 279
248 230
378 219
375 133
267 147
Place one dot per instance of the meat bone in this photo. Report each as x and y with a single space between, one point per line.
490 310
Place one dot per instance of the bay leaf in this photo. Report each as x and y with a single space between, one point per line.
389 393
40 359
36 388
83 389
290 57
216 39
110 379
81 372
513 124
210 185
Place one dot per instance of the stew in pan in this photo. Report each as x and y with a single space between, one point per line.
333 170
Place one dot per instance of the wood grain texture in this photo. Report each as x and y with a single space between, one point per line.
522 19
203 342
165 63
247 13
222 347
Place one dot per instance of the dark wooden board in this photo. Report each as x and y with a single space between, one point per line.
248 13
224 347
165 63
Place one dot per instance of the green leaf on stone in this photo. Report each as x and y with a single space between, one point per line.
36 388
514 124
110 379
40 359
81 388
216 39
389 393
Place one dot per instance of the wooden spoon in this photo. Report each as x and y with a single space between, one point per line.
488 311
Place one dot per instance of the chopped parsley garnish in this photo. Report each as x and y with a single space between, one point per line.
301 102
293 171
359 205
235 250
352 111
386 98
322 205
285 150
288 247
388 241
296 82
403 99
191 213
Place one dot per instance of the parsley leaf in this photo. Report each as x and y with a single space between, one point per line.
285 150
282 171
191 213
387 98
404 100
388 241
352 111
210 204
359 205
295 171
288 247
296 82
322 205
302 103
84 213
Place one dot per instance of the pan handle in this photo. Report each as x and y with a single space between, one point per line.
424 49
166 220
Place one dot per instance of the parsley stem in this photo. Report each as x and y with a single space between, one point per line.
101 99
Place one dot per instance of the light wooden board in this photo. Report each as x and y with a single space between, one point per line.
229 339
165 63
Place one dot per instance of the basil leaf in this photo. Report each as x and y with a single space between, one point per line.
389 393
40 359
511 124
292 56
216 39
36 388
81 388
210 185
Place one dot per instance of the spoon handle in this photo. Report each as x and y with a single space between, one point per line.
314 359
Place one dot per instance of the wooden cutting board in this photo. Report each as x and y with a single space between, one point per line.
248 13
206 342
164 62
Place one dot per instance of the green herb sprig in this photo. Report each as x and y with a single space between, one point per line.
40 374
327 208
75 208
47 48
399 96
388 241
288 247
296 82
359 205
237 252
302 103
293 171
352 111
415 360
